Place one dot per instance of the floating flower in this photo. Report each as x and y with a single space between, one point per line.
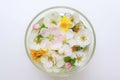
47 63
65 24
66 50
77 27
83 37
78 61
36 27
59 42
59 61
52 19
73 18
36 54
68 65
54 36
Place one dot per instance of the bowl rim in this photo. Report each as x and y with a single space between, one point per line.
65 7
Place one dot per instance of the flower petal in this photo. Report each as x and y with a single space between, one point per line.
69 34
72 42
44 32
36 27
46 63
67 50
83 37
76 17
52 19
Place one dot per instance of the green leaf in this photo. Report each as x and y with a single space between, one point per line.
79 48
67 59
73 61
38 38
42 26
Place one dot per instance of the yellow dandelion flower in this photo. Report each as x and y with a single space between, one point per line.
65 24
36 54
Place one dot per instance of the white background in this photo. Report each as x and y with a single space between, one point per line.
15 16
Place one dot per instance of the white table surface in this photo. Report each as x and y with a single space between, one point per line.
15 16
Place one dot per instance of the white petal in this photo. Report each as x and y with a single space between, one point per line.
61 50
69 34
54 30
55 46
87 34
44 32
44 44
72 42
32 44
59 61
73 55
47 22
76 17
77 63
49 64
46 63
67 50
53 16
79 53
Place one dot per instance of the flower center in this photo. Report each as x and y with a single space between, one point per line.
53 22
65 23
51 37
83 38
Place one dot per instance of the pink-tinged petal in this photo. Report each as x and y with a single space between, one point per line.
68 65
59 38
44 32
36 27
54 30
55 46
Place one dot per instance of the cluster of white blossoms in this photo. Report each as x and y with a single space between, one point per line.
59 42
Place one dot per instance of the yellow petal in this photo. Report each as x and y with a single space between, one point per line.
36 54
65 24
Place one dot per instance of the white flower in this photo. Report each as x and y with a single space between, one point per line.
83 37
74 17
52 19
81 61
66 49
59 61
31 39
46 63
44 32
54 37
54 63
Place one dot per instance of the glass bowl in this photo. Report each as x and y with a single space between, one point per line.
62 9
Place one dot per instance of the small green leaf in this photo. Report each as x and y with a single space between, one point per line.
67 59
42 26
38 38
73 61
86 48
79 48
